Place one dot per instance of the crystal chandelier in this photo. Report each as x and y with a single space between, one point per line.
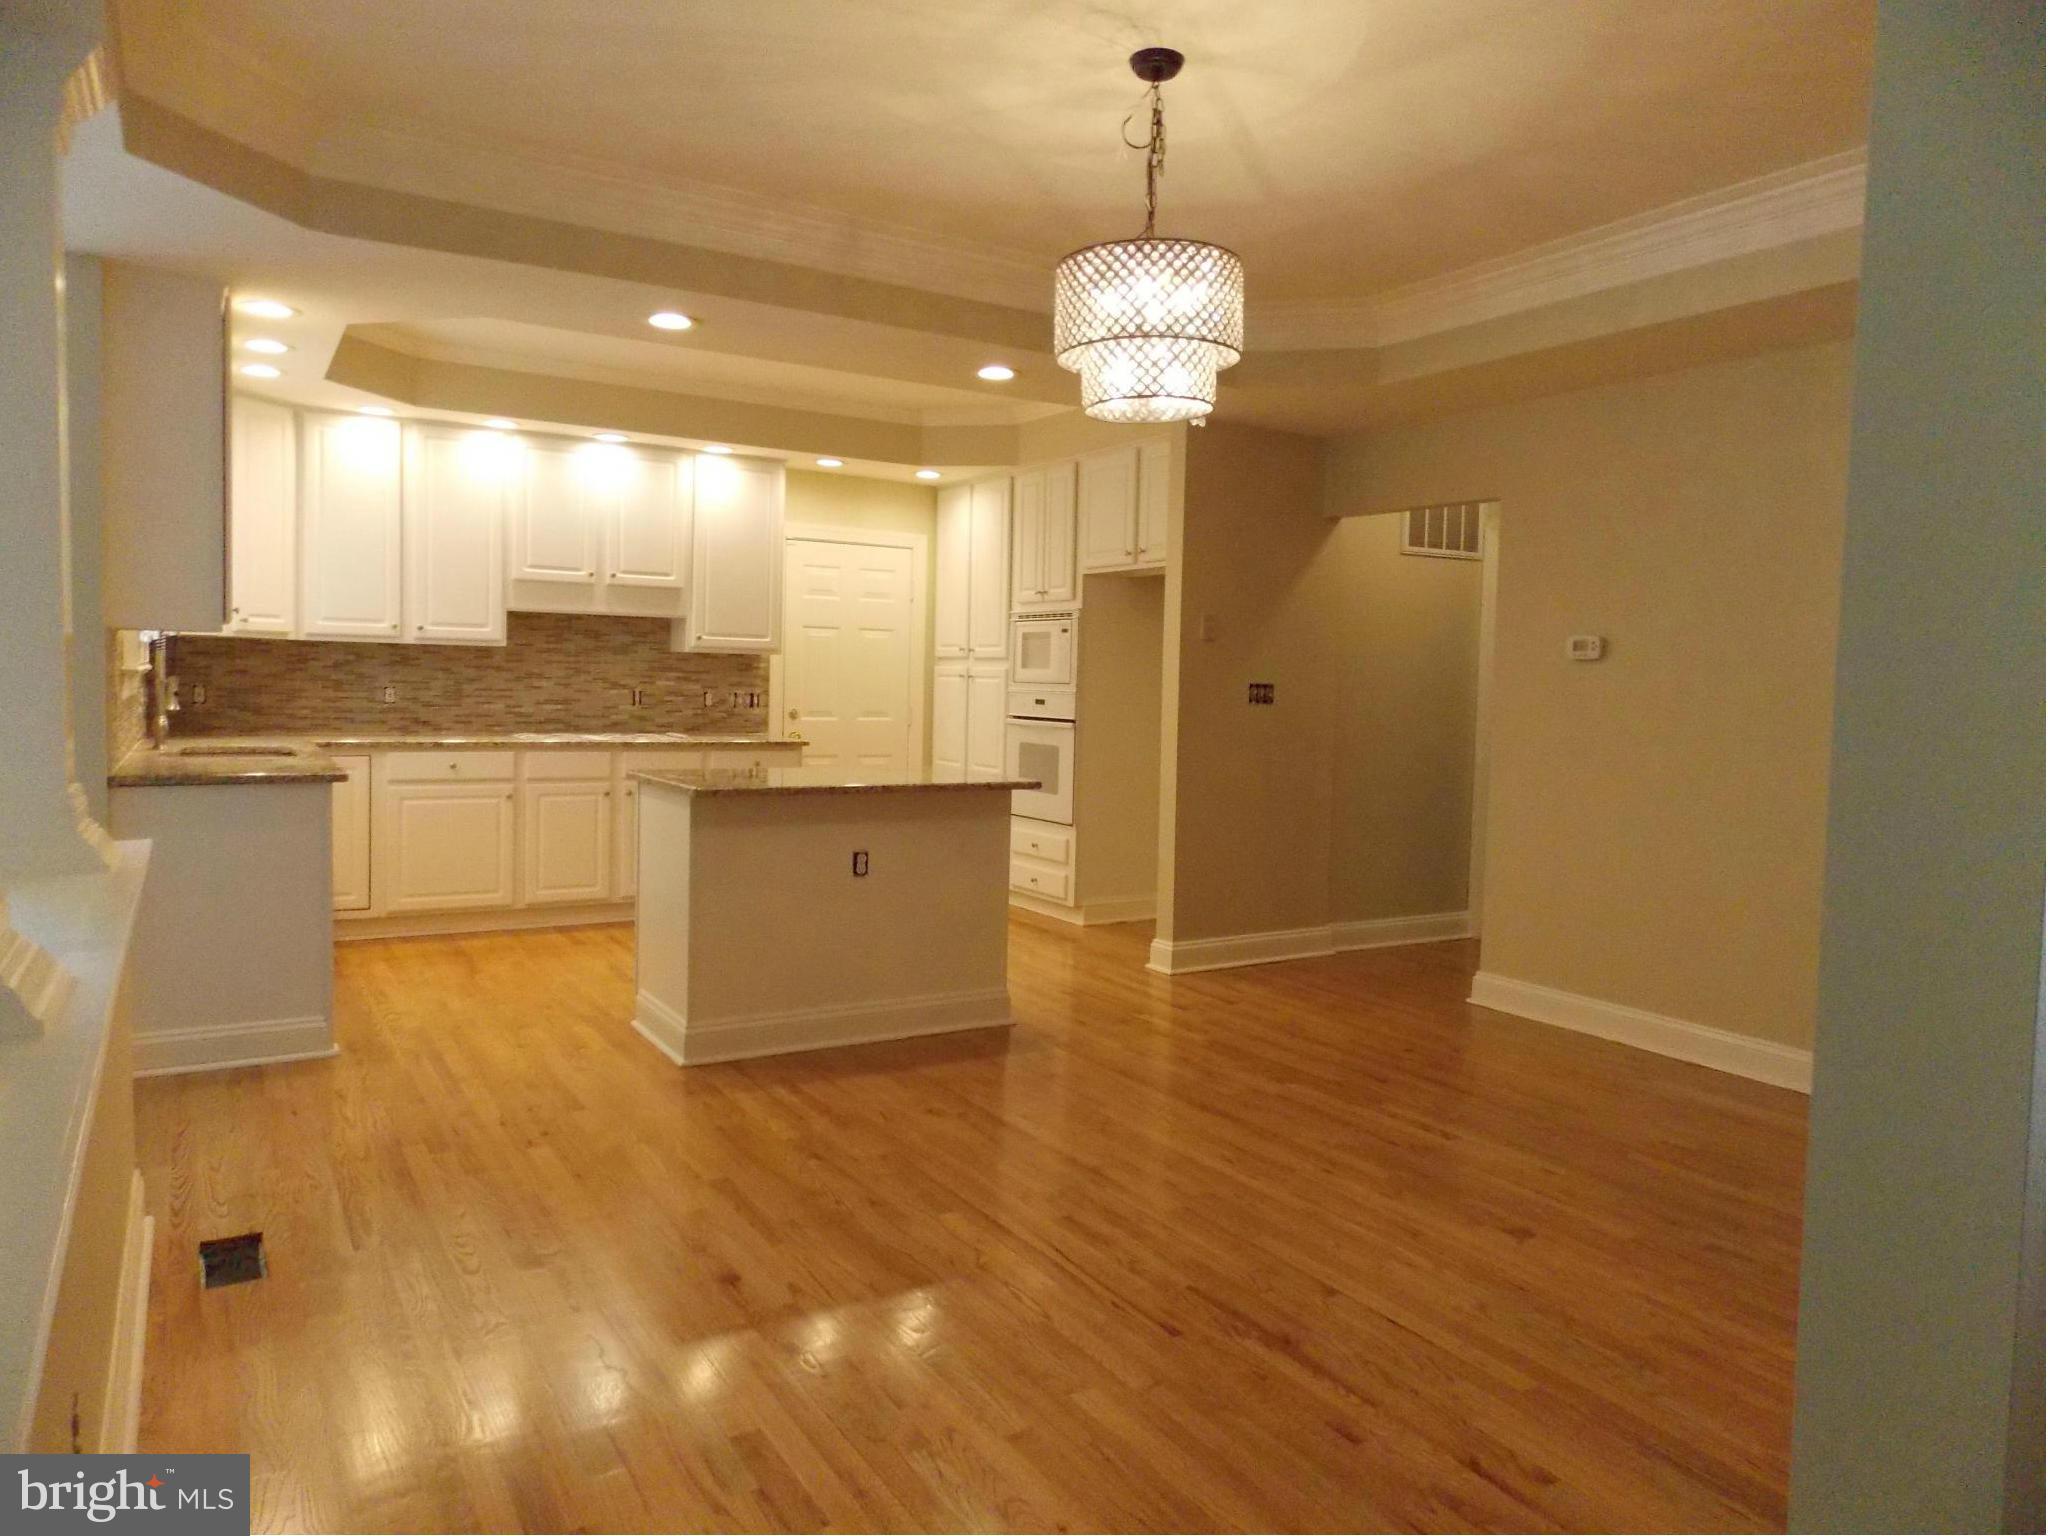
1148 322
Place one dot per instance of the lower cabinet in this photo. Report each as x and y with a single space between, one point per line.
1042 859
352 836
567 826
448 846
970 700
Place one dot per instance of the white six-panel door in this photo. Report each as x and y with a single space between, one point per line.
847 653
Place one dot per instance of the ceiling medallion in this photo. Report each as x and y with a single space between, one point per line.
1148 322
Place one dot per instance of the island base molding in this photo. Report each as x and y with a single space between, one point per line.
811 1029
217 1047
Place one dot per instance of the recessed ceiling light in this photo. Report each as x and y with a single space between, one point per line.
373 410
716 448
265 309
500 423
831 463
260 371
996 373
927 474
611 437
269 346
670 320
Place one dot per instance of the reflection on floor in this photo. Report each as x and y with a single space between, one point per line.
1299 1246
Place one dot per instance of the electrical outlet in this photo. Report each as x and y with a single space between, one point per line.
860 863
198 694
389 693
1260 693
639 696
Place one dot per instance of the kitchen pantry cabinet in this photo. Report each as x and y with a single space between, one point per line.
1125 497
460 488
968 704
971 615
351 839
263 518
736 557
1042 570
350 536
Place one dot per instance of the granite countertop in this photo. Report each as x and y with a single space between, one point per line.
446 739
147 767
811 781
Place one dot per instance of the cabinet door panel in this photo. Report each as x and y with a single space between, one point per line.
626 840
1109 509
448 846
566 825
263 517
949 724
987 698
1062 582
736 556
650 521
954 555
349 525
351 815
988 600
1027 539
460 486
1155 487
555 518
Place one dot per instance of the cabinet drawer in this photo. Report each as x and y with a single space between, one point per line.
446 767
769 754
1036 842
1040 879
661 760
566 765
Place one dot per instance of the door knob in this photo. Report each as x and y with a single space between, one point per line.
792 714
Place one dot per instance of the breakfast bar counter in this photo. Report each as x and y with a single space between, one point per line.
789 909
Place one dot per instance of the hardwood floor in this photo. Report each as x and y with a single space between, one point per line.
1305 1246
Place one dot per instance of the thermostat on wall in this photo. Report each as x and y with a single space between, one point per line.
1586 647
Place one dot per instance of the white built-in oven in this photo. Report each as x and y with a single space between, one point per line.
1041 750
1042 649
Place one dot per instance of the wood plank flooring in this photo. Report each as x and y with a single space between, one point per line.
1305 1246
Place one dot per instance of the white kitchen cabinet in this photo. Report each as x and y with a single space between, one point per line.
351 839
1155 490
263 517
1108 496
949 721
350 527
556 522
648 520
566 826
954 556
736 556
446 846
461 484
1042 571
988 582
987 708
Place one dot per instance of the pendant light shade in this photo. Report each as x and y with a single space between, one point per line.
1148 322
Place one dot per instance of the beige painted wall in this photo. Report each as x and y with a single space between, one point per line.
1245 790
1406 670
1655 833
849 501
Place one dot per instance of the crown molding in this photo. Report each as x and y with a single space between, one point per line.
1804 202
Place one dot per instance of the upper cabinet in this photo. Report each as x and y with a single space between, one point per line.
648 527
1042 571
955 555
556 529
350 539
163 449
1126 507
988 579
460 486
263 501
736 557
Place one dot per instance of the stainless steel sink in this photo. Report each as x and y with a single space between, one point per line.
230 752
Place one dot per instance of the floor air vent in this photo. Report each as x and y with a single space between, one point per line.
231 1260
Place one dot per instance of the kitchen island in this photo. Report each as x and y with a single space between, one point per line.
789 909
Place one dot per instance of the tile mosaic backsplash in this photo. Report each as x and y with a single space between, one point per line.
557 672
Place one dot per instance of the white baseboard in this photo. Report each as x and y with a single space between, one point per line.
1177 957
1132 909
811 1029
1766 1061
424 925
216 1047
1385 932
121 1409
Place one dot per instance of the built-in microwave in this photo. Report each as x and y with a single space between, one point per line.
1041 750
1042 649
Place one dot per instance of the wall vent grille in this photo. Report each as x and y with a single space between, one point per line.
1448 532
